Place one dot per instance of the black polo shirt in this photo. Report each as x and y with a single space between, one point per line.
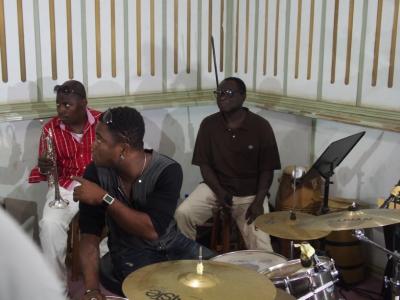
237 155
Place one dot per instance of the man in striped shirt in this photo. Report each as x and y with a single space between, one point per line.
73 131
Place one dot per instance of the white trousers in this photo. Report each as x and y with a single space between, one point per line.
54 227
197 209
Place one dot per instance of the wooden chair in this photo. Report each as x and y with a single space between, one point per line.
225 236
72 258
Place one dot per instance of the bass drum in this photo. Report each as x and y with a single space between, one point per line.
256 260
308 195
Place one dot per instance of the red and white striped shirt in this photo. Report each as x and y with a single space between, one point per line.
72 155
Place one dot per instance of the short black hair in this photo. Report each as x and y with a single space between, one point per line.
126 123
240 83
71 87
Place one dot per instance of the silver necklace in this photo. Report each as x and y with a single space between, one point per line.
144 164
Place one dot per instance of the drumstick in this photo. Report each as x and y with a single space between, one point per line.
298 33
98 38
393 43
139 37
209 33
310 39
334 41
3 44
53 41
215 60
377 42
349 41
265 38
113 54
21 39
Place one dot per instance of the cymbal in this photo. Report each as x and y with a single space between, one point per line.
279 224
179 280
357 219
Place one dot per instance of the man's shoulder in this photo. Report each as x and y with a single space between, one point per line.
211 119
257 119
95 113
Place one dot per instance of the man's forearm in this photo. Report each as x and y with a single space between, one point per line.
264 183
210 178
89 258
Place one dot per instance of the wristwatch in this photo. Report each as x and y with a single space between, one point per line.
108 200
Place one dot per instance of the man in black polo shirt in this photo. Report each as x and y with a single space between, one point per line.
237 155
135 192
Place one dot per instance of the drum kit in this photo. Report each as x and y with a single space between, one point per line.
256 274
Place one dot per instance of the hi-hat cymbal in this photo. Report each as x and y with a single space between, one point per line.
357 219
279 224
179 280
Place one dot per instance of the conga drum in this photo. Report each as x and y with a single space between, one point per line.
306 199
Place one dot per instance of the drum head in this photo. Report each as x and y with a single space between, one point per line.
290 269
257 260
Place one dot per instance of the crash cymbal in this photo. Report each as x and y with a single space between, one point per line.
180 280
279 224
353 219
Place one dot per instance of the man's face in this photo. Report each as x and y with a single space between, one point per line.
105 150
229 98
70 108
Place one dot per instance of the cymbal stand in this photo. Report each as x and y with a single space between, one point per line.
297 173
393 281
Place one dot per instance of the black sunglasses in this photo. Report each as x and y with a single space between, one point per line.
229 93
108 120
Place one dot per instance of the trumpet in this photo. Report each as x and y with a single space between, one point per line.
52 176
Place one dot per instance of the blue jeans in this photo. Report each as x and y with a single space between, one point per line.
180 247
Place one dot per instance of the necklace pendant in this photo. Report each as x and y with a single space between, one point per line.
140 180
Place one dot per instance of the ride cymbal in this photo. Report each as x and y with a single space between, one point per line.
353 219
281 224
179 280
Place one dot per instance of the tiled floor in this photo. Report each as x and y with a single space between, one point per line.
369 289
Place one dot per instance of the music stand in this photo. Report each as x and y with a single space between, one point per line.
328 161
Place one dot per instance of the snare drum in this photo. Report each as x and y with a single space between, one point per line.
300 281
257 260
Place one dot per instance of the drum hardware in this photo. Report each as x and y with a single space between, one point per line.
297 173
179 280
393 281
52 177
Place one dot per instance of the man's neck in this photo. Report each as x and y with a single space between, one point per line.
235 118
132 166
79 126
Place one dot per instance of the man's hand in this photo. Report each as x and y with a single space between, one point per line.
88 192
45 165
225 201
255 209
94 295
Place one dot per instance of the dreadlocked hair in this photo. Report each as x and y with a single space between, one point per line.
127 124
